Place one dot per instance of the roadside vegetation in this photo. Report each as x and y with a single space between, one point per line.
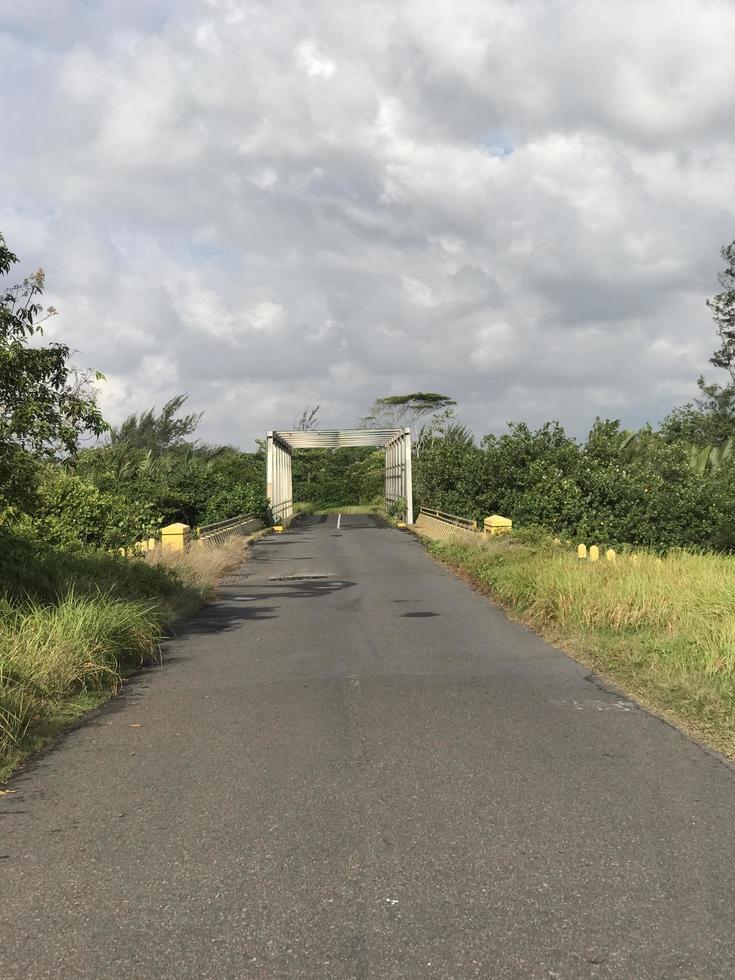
74 626
660 622
663 629
76 616
376 507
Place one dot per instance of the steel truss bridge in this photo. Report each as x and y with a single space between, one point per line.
395 443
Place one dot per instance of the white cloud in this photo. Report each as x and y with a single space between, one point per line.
273 204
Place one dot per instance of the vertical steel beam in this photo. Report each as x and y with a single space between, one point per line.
289 483
386 480
269 469
408 477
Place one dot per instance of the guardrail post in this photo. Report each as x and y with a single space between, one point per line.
495 524
175 537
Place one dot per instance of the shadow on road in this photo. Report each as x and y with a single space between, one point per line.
252 603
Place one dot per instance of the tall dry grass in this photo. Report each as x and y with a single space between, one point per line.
80 643
201 566
663 628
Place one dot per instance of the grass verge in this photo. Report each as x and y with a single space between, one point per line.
376 508
85 622
661 629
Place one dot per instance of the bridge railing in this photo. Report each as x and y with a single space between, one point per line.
282 511
232 528
439 525
441 515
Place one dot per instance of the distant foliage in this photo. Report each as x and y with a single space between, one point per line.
156 433
723 313
594 491
338 477
189 482
73 513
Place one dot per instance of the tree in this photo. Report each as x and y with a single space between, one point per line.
45 404
309 419
723 313
157 433
396 410
448 431
709 420
406 410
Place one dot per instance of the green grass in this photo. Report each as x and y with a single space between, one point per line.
376 507
74 626
662 629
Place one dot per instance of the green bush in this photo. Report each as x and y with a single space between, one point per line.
70 512
593 492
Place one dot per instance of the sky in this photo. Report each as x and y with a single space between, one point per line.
518 203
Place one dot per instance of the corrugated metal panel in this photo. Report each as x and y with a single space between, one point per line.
337 438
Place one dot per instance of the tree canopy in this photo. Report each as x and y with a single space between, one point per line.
723 313
46 406
156 433
394 410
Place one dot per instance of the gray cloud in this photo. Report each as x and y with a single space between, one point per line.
274 204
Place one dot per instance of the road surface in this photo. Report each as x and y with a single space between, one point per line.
353 766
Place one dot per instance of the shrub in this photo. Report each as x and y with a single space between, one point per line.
591 491
72 512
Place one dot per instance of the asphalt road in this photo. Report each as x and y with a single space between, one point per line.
355 766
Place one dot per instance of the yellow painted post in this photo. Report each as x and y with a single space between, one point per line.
594 553
581 551
610 554
175 537
495 524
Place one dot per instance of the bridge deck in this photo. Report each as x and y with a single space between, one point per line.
355 766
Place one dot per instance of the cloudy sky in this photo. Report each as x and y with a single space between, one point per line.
519 203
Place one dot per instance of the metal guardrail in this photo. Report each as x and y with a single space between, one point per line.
440 526
440 515
234 527
281 512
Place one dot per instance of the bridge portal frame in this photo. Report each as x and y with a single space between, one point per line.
395 443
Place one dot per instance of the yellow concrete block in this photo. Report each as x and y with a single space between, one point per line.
594 553
581 551
495 524
175 537
278 528
610 554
